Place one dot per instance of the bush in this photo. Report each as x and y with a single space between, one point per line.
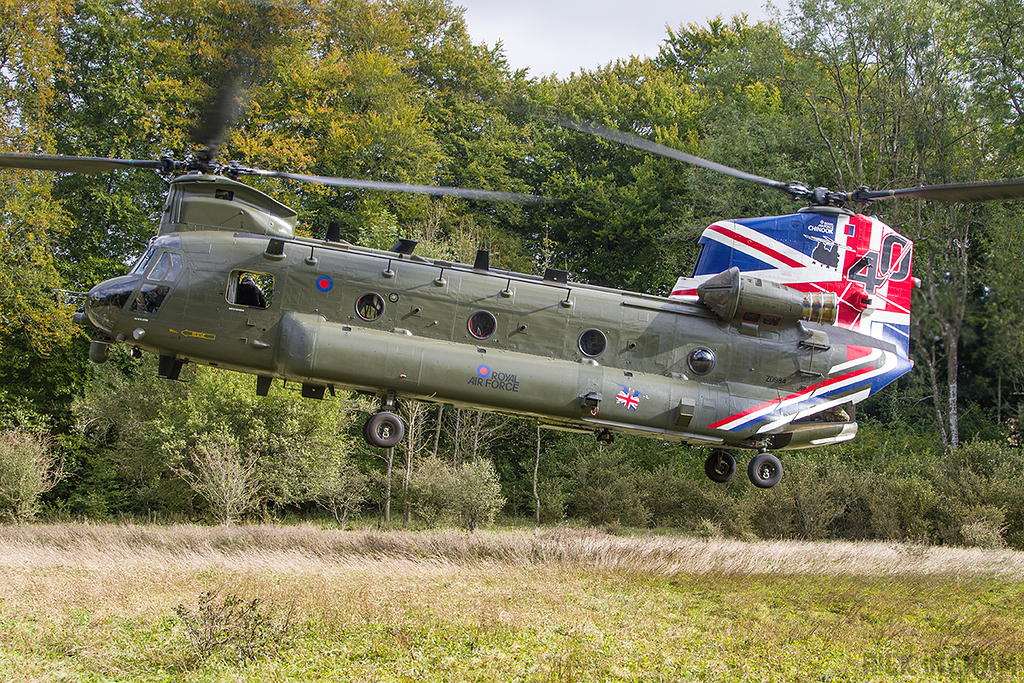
28 469
606 488
469 494
477 495
235 629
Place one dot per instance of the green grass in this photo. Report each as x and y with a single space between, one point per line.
100 603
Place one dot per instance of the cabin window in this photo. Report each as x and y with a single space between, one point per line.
370 306
482 324
249 288
701 360
592 343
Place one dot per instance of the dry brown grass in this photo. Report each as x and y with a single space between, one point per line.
309 549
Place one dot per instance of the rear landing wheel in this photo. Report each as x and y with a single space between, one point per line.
720 466
764 470
384 430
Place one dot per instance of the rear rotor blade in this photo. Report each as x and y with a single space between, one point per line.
631 140
955 192
435 190
67 164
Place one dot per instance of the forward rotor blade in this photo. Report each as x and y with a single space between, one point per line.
220 112
967 193
66 164
631 140
436 190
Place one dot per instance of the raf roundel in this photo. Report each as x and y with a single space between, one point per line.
324 283
483 371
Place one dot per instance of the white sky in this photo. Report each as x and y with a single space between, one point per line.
560 36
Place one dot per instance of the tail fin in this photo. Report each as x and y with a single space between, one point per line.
866 263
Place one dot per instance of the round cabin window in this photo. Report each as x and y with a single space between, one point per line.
701 360
370 306
593 343
482 325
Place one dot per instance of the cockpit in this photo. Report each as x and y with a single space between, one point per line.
146 286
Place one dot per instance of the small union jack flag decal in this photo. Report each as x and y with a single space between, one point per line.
628 398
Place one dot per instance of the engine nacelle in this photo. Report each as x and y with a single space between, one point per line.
763 302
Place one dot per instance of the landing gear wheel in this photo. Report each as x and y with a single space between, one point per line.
720 466
764 470
384 430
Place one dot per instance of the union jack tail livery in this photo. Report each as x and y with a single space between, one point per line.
841 270
864 262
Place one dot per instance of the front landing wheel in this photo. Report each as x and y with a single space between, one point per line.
384 430
720 466
764 470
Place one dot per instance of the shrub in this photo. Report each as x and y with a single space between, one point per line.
236 629
606 488
476 493
986 528
28 469
469 494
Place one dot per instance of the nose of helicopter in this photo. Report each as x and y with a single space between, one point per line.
105 301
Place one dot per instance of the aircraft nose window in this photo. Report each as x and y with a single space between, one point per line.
370 306
105 301
701 360
482 325
593 343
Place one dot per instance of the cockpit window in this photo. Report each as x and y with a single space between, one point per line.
166 269
149 298
249 288
163 271
140 266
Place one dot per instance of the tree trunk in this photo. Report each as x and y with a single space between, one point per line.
437 430
536 468
390 459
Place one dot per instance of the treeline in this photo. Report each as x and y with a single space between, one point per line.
209 448
831 92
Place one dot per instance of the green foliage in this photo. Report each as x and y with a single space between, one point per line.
840 92
477 498
605 488
143 427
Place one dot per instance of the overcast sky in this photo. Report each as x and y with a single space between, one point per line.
560 36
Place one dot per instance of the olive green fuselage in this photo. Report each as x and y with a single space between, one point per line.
332 315
421 346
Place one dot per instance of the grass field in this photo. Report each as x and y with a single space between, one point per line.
268 603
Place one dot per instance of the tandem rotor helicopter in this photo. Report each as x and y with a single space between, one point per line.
786 323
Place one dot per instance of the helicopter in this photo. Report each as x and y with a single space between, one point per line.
785 324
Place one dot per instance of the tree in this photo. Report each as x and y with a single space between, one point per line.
888 102
220 473
340 489
30 221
